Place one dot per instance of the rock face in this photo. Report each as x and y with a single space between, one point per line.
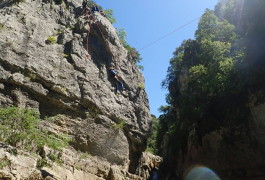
48 62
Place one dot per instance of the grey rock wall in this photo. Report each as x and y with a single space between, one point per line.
68 78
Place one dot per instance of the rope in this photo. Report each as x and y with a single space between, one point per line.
104 39
101 33
88 32
166 35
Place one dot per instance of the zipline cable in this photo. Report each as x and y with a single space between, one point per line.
168 34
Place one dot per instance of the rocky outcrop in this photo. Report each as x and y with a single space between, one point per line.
147 164
56 60
73 165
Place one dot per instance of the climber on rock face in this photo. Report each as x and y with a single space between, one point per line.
113 75
94 8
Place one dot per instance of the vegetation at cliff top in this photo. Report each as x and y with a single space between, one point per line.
109 15
20 128
134 55
211 78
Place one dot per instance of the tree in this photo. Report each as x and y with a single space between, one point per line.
212 29
109 16
152 140
133 54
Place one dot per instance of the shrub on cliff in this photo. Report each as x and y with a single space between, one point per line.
152 140
132 52
19 128
109 16
51 40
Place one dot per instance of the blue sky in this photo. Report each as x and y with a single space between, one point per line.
148 20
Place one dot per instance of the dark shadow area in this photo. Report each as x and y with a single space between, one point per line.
6 3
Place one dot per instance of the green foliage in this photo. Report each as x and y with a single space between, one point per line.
90 3
141 86
211 28
152 140
51 40
93 112
66 55
19 128
140 67
54 141
49 159
1 26
198 70
71 27
122 36
63 90
209 78
133 54
43 162
32 76
120 125
4 161
55 157
85 155
109 15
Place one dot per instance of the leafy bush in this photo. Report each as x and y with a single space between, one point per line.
119 125
122 36
19 128
141 86
140 67
132 52
51 40
109 16
55 157
85 155
4 162
152 140
90 3
43 162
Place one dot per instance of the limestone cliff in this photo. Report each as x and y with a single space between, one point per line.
44 64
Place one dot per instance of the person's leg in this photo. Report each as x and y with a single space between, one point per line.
120 85
116 86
